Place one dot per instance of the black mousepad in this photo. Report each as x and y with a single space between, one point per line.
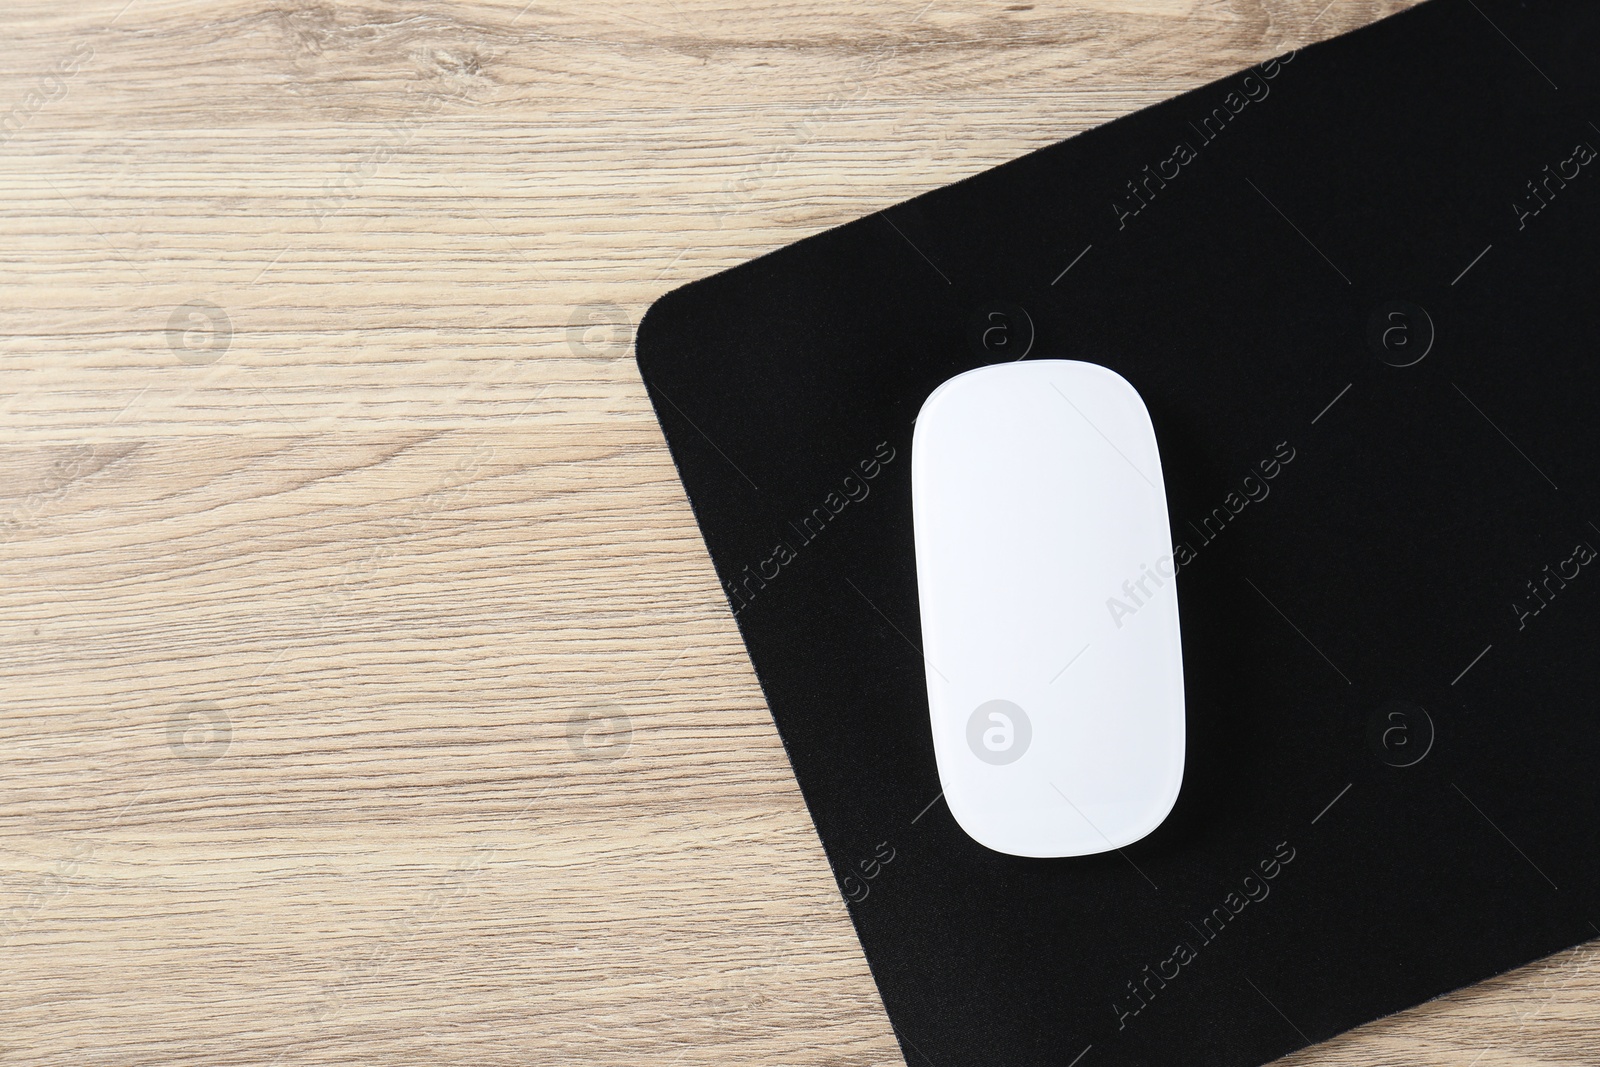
1356 287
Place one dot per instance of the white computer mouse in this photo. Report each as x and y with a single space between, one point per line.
1049 608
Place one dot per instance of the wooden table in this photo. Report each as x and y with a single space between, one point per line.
369 696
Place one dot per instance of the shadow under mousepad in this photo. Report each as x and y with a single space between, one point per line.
1356 287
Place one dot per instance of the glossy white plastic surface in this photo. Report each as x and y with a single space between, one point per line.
1049 608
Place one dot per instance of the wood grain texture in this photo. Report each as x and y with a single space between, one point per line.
368 694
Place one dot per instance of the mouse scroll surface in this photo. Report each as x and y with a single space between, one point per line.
1049 608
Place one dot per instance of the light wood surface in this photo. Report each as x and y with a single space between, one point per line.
368 694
